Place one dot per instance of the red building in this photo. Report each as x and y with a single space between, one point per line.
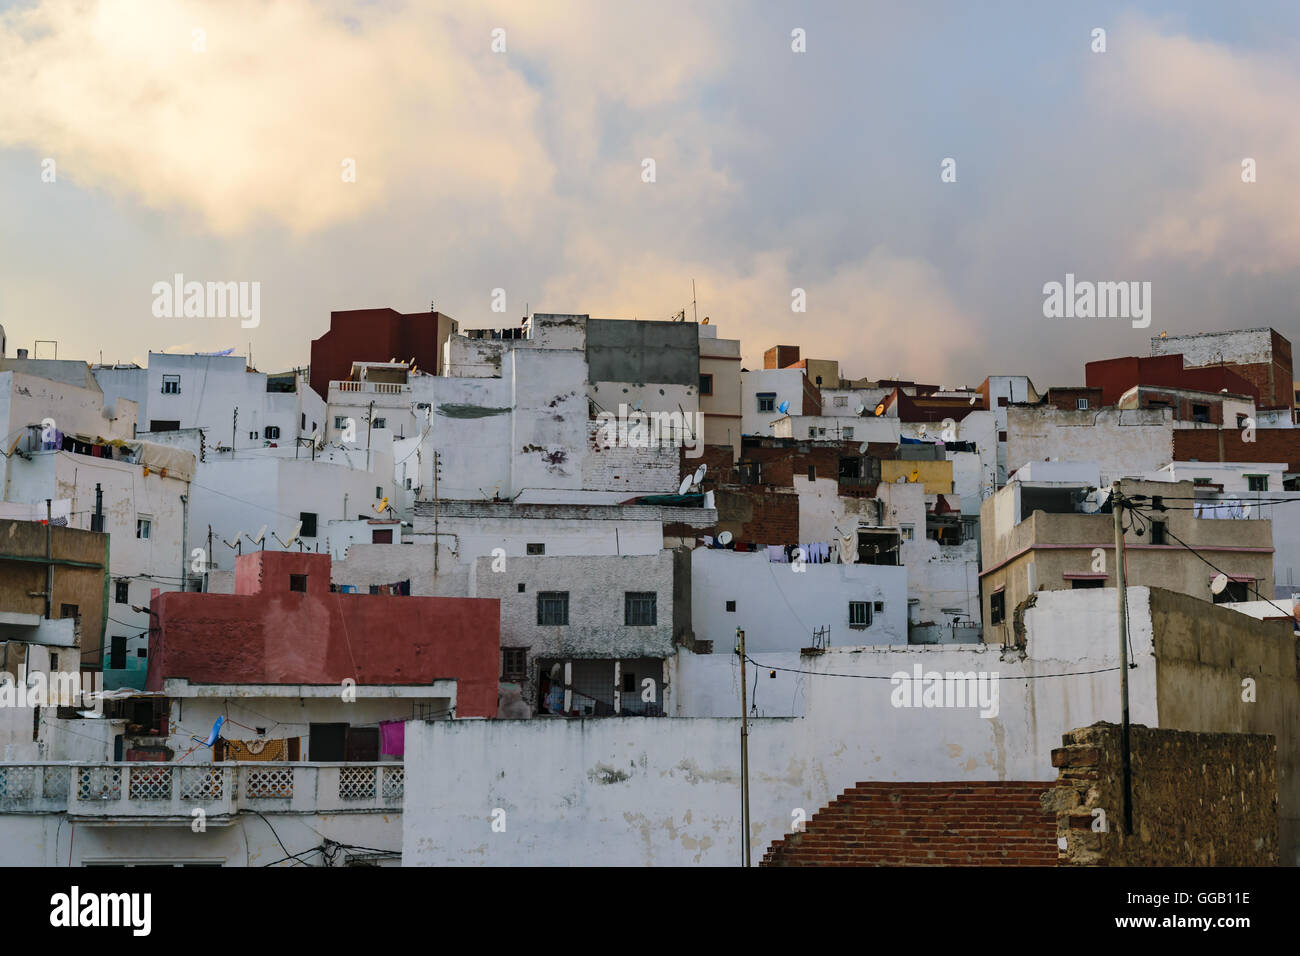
377 335
283 625
1116 376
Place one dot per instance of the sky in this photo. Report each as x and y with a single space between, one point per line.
213 140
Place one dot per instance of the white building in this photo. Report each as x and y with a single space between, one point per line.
764 391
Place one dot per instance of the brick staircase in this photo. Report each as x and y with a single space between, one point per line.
979 823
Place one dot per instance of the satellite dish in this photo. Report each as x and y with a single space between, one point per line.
861 410
862 449
260 535
685 486
708 500
699 473
880 409
724 538
785 407
1218 584
901 480
921 429
972 399
294 536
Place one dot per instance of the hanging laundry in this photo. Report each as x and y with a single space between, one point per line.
708 540
776 554
848 554
392 737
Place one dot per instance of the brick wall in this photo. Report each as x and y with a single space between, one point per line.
1270 445
971 823
1198 799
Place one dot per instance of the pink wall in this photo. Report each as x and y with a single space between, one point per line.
266 634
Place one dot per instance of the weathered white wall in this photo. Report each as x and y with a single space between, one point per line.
787 383
1123 443
667 791
780 608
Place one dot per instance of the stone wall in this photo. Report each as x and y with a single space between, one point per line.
1198 799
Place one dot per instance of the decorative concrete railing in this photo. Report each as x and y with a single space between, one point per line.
157 790
382 388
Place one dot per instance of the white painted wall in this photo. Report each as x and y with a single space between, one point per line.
787 383
780 608
667 792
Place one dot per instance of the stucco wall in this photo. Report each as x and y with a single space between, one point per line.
632 791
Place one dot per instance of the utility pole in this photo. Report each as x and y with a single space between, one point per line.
49 559
435 518
369 421
207 563
185 542
234 427
744 752
1121 584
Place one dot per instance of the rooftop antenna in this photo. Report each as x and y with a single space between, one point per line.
694 311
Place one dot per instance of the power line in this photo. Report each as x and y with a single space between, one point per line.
793 670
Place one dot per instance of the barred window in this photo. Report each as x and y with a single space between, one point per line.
553 608
859 614
513 663
639 608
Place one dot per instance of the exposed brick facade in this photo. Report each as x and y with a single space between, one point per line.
1226 444
376 335
1067 399
973 823
1116 376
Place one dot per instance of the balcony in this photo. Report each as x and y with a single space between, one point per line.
162 793
380 388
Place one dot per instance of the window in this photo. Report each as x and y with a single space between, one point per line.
1158 532
840 401
163 425
1242 420
1081 404
1200 413
298 582
848 432
731 605
123 589
143 527
117 653
812 431
908 531
142 652
1078 584
535 548
859 614
69 610
271 432
381 535
629 682
850 468
381 422
639 608
171 385
252 436
1003 401
706 384
521 587
308 519
1200 481
812 472
998 607
1257 482
379 493
1235 591
514 663
341 422
767 401
1002 436
408 484
879 607
553 608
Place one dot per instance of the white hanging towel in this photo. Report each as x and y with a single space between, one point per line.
848 554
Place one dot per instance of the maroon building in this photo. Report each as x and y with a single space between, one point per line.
377 335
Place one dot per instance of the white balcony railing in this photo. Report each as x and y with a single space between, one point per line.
379 388
168 790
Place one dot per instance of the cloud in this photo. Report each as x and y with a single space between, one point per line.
1210 107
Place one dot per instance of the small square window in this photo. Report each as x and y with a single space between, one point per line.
1002 436
142 652
69 610
379 493
143 527
848 432
1081 404
907 531
553 608
1158 532
998 607
341 422
879 607
767 401
731 605
381 422
629 682
521 587
271 432
123 592
859 614
639 608
535 547
706 384
308 519
252 436
840 401
514 663
1257 482
298 582
171 384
